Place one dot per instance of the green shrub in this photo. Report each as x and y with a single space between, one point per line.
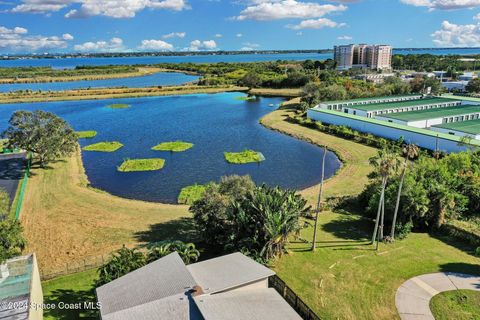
403 230
477 252
190 194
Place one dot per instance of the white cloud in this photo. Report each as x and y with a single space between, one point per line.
239 35
18 39
67 36
218 35
251 45
155 45
316 24
174 35
109 8
344 38
197 45
114 45
443 4
477 17
287 9
453 35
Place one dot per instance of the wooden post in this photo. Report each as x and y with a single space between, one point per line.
317 211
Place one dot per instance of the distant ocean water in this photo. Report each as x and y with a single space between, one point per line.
73 62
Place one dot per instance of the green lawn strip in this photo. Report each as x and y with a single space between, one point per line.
456 304
74 288
118 106
86 134
346 279
106 146
246 156
189 194
173 146
131 165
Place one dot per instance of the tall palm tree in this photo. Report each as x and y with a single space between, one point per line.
317 211
410 151
385 163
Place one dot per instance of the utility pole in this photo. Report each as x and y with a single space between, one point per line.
317 211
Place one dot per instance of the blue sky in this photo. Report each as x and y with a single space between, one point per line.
176 25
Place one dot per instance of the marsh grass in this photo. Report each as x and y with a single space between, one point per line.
189 194
86 134
106 146
173 146
132 165
246 156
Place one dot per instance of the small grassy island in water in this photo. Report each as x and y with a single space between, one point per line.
173 146
246 156
86 134
107 146
132 165
119 106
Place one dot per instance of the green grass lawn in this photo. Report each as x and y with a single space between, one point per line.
119 106
74 288
346 279
86 134
246 156
104 146
173 146
189 194
131 165
457 304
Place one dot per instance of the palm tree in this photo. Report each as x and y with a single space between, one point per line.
186 251
317 211
122 262
385 163
410 151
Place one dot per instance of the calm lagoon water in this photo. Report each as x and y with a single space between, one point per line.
73 62
156 79
213 122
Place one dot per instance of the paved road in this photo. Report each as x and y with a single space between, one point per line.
414 295
11 172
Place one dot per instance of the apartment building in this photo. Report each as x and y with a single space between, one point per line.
378 57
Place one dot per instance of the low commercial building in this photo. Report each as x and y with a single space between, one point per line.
374 77
230 287
373 110
428 139
470 128
431 117
21 296
340 104
455 85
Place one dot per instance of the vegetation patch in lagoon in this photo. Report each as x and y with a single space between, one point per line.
190 194
86 134
131 165
246 98
106 146
119 106
246 156
173 146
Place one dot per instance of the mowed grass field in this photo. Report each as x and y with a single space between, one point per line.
66 221
345 278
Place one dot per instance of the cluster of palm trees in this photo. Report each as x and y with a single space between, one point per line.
387 164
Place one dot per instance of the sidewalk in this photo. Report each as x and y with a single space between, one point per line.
413 296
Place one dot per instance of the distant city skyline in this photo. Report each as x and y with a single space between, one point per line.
37 26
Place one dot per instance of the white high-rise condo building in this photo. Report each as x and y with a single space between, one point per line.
363 56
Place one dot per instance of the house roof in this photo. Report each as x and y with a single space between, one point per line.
226 272
177 307
163 278
263 304
15 288
433 113
470 126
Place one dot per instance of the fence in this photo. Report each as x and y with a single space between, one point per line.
23 185
292 298
84 264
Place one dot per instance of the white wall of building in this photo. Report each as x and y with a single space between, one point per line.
417 124
385 131
454 132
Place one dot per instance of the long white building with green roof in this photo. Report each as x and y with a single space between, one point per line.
417 119
469 128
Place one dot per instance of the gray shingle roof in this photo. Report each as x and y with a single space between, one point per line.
227 272
254 304
177 307
165 277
